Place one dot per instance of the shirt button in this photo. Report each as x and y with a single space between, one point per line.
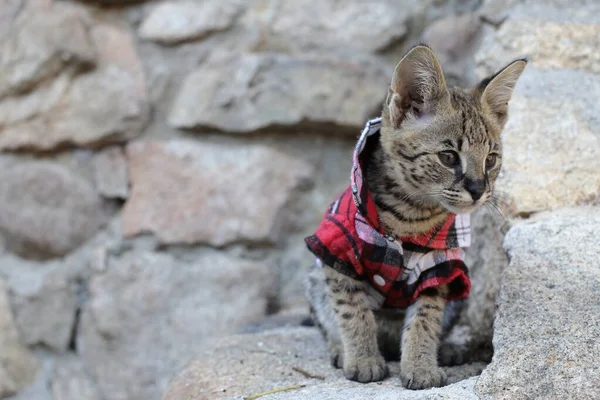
379 280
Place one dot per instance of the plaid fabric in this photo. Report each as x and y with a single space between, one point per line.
351 239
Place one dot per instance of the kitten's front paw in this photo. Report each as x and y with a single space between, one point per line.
365 370
422 378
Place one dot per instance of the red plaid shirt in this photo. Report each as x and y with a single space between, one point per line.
351 240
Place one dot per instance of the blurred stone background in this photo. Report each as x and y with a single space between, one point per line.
161 162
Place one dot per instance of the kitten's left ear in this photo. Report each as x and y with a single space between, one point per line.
497 90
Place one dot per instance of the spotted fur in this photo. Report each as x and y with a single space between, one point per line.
414 186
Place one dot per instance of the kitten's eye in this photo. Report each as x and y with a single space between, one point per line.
490 161
449 158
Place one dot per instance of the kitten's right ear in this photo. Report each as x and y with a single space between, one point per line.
417 85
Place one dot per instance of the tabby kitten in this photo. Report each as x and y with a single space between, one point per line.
389 249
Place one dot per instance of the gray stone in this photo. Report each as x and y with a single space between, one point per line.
46 210
46 38
149 312
44 300
18 366
69 381
548 319
110 173
171 22
96 108
243 365
552 37
260 91
237 191
550 141
330 26
455 39
68 81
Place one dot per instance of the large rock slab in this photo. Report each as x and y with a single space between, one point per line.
266 361
172 23
43 299
301 26
18 366
47 210
205 192
149 312
553 132
46 38
259 91
82 84
548 318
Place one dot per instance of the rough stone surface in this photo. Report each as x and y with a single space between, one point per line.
45 40
149 312
553 279
65 83
305 25
243 365
171 22
195 192
69 381
552 136
552 37
44 301
110 173
95 108
455 39
18 365
46 210
255 92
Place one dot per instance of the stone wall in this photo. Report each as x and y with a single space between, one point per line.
161 162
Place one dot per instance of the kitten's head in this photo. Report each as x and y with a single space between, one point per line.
443 145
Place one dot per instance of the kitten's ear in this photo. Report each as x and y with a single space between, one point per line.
417 85
497 90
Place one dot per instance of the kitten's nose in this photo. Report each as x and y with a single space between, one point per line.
475 187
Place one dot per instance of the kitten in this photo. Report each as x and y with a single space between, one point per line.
389 249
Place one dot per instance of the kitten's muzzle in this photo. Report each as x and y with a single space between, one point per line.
475 187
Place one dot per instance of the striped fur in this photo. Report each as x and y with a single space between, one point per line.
414 190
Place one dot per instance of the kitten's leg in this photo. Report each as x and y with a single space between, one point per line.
420 340
357 327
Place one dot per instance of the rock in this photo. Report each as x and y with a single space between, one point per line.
149 312
44 41
44 301
69 381
550 141
48 101
329 26
237 191
265 361
172 23
455 39
116 46
96 108
110 173
46 210
18 366
113 2
553 37
259 91
548 322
